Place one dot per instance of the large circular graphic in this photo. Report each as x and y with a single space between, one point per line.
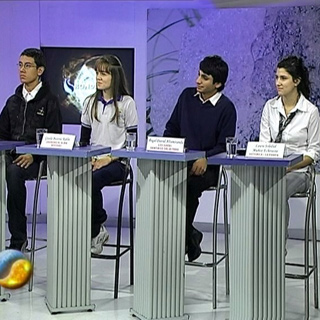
15 269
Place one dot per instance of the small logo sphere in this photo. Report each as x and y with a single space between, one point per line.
15 269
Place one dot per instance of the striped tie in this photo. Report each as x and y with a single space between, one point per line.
283 124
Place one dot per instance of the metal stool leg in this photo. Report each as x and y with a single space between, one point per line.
131 229
120 248
34 220
118 244
214 242
306 260
226 238
308 266
221 186
315 251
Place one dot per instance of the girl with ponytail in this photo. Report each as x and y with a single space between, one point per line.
292 119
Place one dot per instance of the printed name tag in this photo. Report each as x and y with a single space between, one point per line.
165 144
265 150
58 141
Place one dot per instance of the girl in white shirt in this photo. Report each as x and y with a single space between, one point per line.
106 117
292 119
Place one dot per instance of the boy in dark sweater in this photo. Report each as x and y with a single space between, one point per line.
204 117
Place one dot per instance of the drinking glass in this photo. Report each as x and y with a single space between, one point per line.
131 141
39 135
231 146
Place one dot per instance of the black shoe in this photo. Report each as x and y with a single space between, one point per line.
194 249
197 235
194 253
19 246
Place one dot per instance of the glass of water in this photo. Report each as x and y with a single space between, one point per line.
39 135
231 146
131 138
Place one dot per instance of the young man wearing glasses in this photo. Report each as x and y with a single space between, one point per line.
32 106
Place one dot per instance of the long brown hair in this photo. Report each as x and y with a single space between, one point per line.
112 65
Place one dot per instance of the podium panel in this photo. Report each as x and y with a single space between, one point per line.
257 235
258 210
69 178
69 234
160 232
160 240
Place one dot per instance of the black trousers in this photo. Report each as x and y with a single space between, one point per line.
195 186
101 178
16 198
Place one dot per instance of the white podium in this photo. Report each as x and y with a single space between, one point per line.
257 234
69 226
160 233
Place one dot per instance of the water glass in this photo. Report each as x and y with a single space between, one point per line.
131 138
39 135
231 145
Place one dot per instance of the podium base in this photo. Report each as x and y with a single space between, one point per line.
139 316
54 310
5 296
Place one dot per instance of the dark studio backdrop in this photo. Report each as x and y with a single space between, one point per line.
71 75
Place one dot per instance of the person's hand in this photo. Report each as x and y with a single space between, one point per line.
24 160
199 167
100 162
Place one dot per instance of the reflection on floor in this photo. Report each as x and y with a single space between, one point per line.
25 305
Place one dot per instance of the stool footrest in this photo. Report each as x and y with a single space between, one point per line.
36 249
39 239
111 256
301 276
207 264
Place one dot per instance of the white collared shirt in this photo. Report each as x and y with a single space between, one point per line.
31 95
214 99
302 135
107 133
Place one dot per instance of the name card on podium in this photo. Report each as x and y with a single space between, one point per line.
265 150
58 141
165 144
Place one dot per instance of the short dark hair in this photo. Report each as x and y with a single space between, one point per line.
36 54
217 68
296 68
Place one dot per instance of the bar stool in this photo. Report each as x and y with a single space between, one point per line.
119 247
41 176
222 185
308 268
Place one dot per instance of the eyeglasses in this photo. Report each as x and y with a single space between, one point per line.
26 66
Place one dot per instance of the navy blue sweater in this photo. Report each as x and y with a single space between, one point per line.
204 126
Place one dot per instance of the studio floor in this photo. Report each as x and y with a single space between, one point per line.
27 305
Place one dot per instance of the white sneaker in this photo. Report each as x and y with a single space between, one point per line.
99 240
